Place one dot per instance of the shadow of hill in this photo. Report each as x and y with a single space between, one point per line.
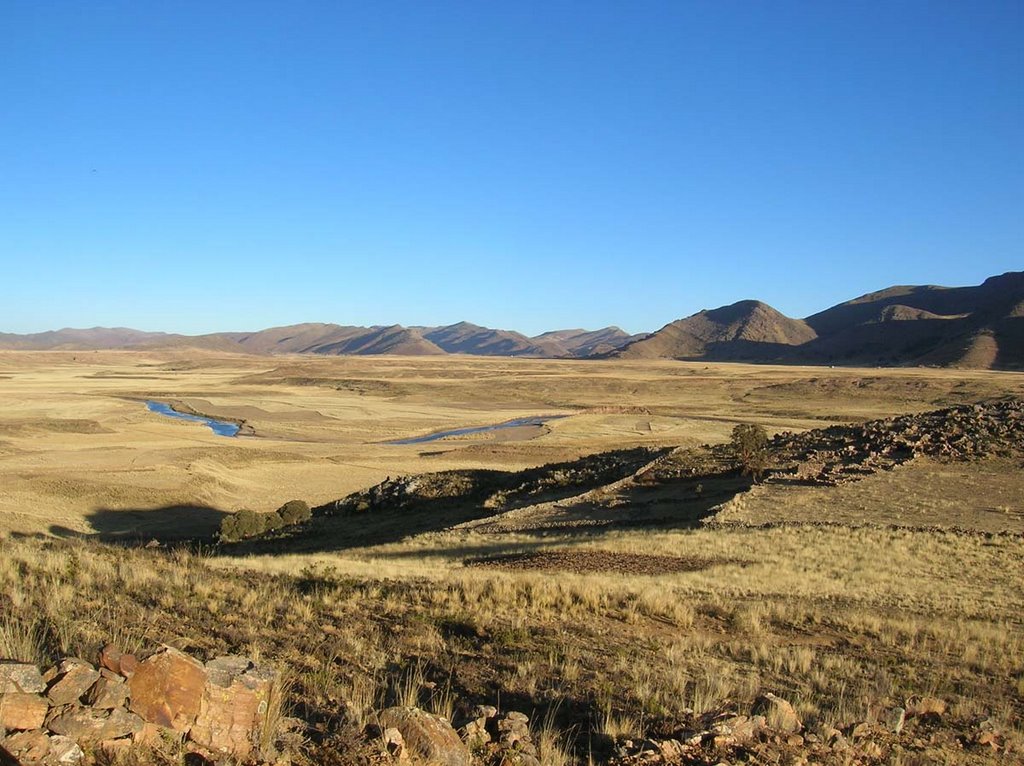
432 502
166 524
604 492
666 504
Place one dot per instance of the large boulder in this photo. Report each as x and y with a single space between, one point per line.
234 705
167 689
428 736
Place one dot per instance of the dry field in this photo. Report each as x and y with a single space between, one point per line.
846 600
80 452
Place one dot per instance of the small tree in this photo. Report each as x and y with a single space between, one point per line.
295 512
750 446
271 521
241 524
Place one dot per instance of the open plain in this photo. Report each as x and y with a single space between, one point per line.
647 599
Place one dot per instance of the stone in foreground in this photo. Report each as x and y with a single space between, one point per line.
427 736
234 706
21 712
167 689
20 677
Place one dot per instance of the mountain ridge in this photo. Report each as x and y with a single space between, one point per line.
978 326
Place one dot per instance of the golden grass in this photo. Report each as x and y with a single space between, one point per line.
840 620
322 423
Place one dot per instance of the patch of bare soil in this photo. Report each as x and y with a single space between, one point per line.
587 562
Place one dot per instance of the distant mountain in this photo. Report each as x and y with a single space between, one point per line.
971 327
744 330
466 338
583 343
93 338
334 340
978 327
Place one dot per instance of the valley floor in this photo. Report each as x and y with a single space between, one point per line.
604 617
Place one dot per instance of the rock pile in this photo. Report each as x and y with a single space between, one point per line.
842 453
52 718
772 732
485 735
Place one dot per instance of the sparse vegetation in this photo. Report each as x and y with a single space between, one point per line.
245 523
749 442
609 610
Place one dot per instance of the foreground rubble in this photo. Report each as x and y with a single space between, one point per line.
221 708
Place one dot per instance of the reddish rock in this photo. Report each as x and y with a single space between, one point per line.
428 736
20 677
152 735
107 693
234 706
129 664
110 658
20 712
74 678
167 689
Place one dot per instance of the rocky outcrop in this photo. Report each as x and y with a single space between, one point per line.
843 453
54 718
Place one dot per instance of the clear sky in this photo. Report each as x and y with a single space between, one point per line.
204 166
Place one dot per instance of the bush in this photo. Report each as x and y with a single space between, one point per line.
750 446
242 524
295 512
246 523
271 521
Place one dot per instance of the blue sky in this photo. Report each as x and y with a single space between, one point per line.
204 166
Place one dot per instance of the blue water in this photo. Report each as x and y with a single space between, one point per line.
219 427
535 421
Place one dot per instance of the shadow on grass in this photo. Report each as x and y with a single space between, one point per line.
138 526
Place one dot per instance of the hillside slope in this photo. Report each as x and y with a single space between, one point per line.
979 327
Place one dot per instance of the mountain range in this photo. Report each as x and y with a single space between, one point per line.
337 340
978 327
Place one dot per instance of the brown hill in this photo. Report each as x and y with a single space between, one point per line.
743 330
974 327
582 343
971 327
468 338
82 339
380 340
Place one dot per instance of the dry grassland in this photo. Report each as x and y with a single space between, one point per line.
911 587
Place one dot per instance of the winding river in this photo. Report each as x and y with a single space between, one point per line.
219 427
518 422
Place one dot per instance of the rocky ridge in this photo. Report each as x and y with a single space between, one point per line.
76 709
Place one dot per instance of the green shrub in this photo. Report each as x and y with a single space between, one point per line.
750 446
295 512
241 524
271 521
